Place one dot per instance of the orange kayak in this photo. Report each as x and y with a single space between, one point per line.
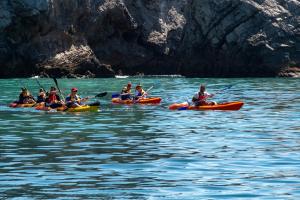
152 100
236 105
42 107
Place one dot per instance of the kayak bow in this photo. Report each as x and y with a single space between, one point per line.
21 105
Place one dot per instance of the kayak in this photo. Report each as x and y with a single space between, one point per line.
84 108
152 100
21 105
236 105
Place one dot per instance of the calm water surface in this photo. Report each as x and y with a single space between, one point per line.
149 152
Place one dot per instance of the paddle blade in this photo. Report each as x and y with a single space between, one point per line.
115 95
183 108
101 94
95 104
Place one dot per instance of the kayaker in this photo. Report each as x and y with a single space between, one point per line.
139 92
25 97
42 96
126 92
74 100
199 99
53 100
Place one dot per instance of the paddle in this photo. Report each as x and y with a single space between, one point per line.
146 92
56 83
36 79
224 89
102 94
94 104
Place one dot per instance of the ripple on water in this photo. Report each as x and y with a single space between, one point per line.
149 152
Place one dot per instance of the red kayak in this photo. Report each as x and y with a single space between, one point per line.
152 100
236 105
21 105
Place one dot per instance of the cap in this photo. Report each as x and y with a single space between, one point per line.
74 89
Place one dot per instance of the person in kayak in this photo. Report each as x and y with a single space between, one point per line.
199 99
25 97
126 92
53 100
74 100
42 96
139 92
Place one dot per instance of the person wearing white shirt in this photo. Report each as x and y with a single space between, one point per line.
199 99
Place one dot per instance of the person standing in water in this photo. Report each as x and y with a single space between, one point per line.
199 99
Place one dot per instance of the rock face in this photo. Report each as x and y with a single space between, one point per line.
97 38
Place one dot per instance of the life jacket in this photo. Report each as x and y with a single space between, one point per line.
202 97
124 91
40 99
52 98
139 94
25 98
75 98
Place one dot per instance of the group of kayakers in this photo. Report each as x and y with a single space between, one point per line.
51 99
199 99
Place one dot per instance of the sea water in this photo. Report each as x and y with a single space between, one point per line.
150 152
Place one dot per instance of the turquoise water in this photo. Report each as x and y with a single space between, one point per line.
149 152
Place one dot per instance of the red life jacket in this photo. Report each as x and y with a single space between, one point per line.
52 98
202 97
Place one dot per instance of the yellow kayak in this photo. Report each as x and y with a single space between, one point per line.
94 107
85 108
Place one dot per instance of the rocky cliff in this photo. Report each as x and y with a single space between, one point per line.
207 38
